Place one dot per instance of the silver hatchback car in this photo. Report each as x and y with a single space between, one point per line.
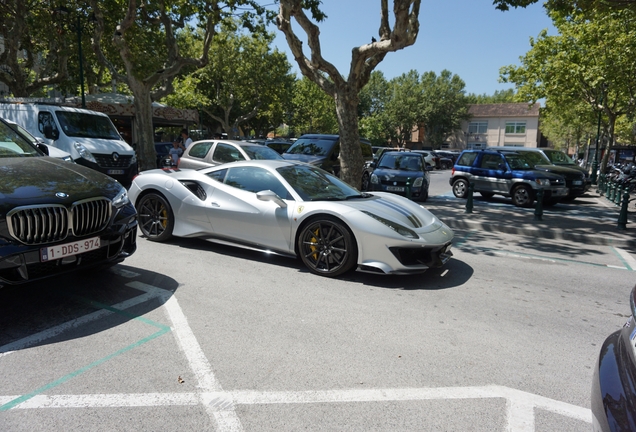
209 153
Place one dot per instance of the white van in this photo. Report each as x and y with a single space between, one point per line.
88 136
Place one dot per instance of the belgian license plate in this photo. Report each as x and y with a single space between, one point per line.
577 182
69 249
560 192
115 172
395 188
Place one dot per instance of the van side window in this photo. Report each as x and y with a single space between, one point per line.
45 118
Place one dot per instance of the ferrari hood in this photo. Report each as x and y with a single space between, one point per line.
398 209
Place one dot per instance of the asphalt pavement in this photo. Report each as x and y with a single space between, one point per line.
591 219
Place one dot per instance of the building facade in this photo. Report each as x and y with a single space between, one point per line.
491 125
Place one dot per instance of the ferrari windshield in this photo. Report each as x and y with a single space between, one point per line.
13 144
314 184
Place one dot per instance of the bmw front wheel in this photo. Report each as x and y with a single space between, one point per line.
327 247
156 219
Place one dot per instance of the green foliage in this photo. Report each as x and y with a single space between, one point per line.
246 83
500 96
312 110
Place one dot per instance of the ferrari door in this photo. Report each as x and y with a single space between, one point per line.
236 214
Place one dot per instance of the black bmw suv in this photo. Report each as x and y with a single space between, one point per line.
55 216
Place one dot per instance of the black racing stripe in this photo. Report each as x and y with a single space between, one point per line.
410 216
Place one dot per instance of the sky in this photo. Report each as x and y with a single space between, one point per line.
470 38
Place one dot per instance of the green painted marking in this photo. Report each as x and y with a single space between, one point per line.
620 257
80 371
163 330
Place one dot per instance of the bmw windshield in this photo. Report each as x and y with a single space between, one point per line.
314 184
13 144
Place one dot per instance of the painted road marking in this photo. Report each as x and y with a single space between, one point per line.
520 405
220 410
630 261
220 405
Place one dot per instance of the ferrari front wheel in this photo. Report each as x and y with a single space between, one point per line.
156 219
327 247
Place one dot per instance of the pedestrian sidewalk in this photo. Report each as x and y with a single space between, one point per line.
590 219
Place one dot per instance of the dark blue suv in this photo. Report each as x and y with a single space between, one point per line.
506 173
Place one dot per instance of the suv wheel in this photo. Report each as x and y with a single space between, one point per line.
460 188
522 196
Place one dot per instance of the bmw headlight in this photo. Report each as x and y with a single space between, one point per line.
543 182
121 199
402 230
83 152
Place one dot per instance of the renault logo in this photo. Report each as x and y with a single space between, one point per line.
115 157
61 195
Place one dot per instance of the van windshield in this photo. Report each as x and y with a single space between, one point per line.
83 125
312 147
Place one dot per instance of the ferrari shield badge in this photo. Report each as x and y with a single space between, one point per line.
300 209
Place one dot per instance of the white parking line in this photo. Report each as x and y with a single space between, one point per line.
520 405
220 405
629 260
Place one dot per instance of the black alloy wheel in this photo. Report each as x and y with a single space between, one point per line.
156 219
327 247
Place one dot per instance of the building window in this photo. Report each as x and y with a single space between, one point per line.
477 127
515 127
513 144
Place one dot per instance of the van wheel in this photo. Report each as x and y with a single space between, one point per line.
522 196
460 188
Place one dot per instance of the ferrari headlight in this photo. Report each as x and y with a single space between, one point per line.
121 199
402 230
83 152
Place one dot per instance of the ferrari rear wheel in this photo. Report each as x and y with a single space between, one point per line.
156 220
327 247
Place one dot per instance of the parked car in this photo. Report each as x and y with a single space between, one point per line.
447 156
403 173
277 145
163 154
323 151
504 173
575 178
57 217
40 144
431 158
207 153
444 162
293 209
614 382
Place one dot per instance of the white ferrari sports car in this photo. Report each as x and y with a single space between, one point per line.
294 209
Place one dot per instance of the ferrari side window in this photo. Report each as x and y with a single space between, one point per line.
254 180
218 175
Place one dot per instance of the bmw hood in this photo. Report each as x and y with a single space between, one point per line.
399 209
37 180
